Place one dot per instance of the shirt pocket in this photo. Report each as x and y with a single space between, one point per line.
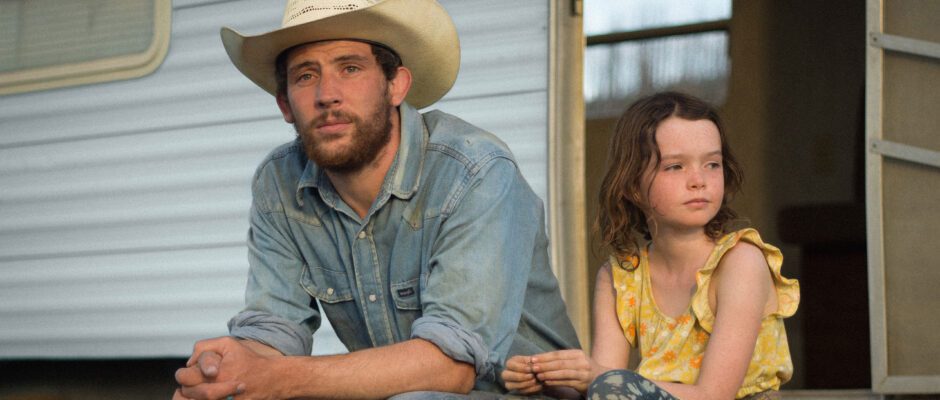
406 295
327 286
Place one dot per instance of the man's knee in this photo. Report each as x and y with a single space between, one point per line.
427 395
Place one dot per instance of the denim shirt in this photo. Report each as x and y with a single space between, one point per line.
453 250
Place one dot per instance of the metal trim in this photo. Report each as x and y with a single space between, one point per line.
882 380
567 210
905 152
874 81
911 384
656 33
904 44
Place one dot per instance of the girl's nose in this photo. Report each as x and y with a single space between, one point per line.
696 179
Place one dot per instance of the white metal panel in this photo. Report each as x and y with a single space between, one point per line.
518 120
123 207
503 47
503 82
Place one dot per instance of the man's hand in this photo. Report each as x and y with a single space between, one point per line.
223 367
203 371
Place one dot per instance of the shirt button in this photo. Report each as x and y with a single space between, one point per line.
329 291
362 235
372 298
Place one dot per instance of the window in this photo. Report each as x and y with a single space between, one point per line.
46 44
654 45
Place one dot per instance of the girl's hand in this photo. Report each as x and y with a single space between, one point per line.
570 368
519 377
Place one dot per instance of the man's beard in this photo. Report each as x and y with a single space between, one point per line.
366 143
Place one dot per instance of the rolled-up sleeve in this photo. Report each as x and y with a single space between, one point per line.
455 341
286 336
278 311
473 298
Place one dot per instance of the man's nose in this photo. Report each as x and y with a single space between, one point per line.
328 92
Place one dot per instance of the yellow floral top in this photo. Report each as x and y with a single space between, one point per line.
672 349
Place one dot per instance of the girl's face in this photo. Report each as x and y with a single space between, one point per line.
687 187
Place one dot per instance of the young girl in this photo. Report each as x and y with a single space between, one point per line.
704 306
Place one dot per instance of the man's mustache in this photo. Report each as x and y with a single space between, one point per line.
334 116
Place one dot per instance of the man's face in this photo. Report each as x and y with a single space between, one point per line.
339 102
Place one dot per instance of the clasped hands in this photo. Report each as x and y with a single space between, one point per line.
223 368
552 370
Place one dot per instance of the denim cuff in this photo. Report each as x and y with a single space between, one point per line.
457 343
288 337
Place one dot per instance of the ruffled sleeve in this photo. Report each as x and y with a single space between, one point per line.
788 290
626 280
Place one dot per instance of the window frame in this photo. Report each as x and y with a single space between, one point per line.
97 71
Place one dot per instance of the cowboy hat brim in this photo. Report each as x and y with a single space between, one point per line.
420 31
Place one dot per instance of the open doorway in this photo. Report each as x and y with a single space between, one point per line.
788 78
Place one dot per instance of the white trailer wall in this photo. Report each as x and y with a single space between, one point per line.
123 205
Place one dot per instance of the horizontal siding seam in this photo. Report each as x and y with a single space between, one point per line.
124 251
159 129
490 95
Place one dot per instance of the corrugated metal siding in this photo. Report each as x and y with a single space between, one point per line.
123 206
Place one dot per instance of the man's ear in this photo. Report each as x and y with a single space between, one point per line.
284 105
399 86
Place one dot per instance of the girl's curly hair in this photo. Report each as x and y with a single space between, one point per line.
621 219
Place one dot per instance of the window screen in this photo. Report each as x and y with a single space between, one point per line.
652 56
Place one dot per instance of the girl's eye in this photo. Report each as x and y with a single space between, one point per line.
714 165
673 167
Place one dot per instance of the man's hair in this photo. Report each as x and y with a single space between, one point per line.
621 220
386 57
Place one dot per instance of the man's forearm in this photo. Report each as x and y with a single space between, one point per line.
260 348
381 372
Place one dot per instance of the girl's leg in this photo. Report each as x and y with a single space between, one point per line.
621 384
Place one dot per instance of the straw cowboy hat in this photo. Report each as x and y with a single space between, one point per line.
420 31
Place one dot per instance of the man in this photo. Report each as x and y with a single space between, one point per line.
416 234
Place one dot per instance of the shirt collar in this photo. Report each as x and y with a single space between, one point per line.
404 175
402 178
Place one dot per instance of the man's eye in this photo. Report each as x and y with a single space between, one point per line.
351 69
306 78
